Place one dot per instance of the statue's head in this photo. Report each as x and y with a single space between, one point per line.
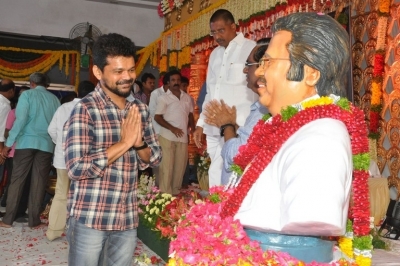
308 54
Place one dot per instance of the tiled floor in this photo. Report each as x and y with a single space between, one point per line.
21 245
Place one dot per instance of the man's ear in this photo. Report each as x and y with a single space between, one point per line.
97 72
311 76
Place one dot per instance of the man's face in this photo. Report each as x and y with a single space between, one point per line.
174 82
117 76
184 86
277 92
149 85
250 71
223 32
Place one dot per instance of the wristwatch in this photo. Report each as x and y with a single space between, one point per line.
141 147
222 128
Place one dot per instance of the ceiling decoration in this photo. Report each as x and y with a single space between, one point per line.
148 4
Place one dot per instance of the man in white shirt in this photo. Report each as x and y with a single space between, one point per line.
58 210
7 91
152 108
225 81
174 113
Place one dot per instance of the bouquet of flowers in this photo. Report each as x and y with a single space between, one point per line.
205 238
202 161
174 212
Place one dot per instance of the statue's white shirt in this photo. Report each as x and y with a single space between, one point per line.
305 190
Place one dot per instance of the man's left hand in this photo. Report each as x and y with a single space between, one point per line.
4 152
218 113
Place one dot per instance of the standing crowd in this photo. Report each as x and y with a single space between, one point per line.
103 139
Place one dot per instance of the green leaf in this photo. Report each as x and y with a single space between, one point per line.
236 168
266 117
344 104
361 161
288 113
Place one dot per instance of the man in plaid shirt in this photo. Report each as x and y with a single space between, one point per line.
107 139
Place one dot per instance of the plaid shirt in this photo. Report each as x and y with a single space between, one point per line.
141 97
103 196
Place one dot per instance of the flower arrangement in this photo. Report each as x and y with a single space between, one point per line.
143 260
202 159
210 234
173 213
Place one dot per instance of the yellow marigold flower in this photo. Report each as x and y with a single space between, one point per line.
363 261
346 246
321 101
241 262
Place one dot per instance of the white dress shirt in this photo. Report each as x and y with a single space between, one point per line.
226 80
153 105
55 131
176 112
4 110
305 190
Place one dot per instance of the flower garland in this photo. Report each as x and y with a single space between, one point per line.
379 70
205 238
260 151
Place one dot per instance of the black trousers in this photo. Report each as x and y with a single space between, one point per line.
24 160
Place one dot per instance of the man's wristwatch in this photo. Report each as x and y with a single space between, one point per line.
222 128
141 147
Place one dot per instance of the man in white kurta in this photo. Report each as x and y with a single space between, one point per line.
174 113
225 81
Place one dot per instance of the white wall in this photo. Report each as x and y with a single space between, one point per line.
57 17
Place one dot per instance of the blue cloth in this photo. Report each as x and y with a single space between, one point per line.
231 147
305 248
34 111
87 245
202 96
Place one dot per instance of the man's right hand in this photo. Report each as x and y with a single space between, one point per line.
197 135
131 128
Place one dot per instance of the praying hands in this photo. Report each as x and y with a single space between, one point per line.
218 113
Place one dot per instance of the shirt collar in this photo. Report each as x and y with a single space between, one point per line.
239 39
2 98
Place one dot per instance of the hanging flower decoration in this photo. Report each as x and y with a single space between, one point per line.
43 63
379 70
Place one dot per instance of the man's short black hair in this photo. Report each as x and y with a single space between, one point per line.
174 72
111 45
147 76
184 80
7 86
84 88
222 14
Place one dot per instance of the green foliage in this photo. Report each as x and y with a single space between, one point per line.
266 117
363 242
236 168
288 113
344 104
361 161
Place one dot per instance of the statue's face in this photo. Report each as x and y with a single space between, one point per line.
277 92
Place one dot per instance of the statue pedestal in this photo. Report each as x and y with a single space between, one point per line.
305 248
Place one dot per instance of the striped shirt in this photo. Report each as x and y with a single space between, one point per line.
103 196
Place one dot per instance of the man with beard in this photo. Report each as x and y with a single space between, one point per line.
225 80
235 137
174 113
106 140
